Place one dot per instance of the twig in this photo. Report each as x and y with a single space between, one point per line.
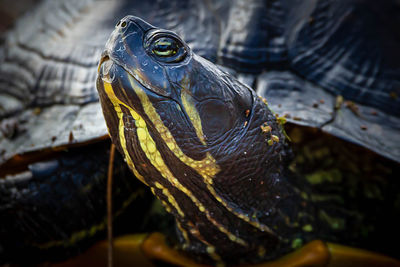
109 207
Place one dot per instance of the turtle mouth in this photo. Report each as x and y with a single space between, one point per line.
108 59
104 58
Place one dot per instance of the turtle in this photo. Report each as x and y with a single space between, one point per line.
49 63
212 151
54 145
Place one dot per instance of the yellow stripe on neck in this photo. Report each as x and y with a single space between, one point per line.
117 106
149 147
196 121
170 198
193 115
206 167
155 158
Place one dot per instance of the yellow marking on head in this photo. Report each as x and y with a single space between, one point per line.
184 233
157 161
208 170
167 207
155 158
241 216
200 166
193 115
210 248
206 167
117 106
170 197
153 191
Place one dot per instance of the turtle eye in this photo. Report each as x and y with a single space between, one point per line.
167 49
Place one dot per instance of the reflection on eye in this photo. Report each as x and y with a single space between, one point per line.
165 47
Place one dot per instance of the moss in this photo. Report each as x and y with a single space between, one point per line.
322 176
333 222
321 153
331 197
307 228
296 135
304 195
372 191
297 243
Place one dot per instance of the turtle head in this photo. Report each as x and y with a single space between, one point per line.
143 51
207 146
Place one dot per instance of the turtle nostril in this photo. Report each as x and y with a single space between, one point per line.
118 24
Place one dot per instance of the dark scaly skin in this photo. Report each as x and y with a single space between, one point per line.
208 147
258 189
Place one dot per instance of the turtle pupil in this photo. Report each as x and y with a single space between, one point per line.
165 47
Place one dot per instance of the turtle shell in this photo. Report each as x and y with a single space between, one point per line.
49 62
326 64
333 65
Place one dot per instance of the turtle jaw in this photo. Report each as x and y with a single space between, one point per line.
104 58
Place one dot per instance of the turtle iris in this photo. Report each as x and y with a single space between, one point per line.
167 49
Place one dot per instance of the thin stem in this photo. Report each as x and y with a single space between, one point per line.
109 207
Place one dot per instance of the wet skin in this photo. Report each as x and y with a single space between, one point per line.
207 146
193 134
